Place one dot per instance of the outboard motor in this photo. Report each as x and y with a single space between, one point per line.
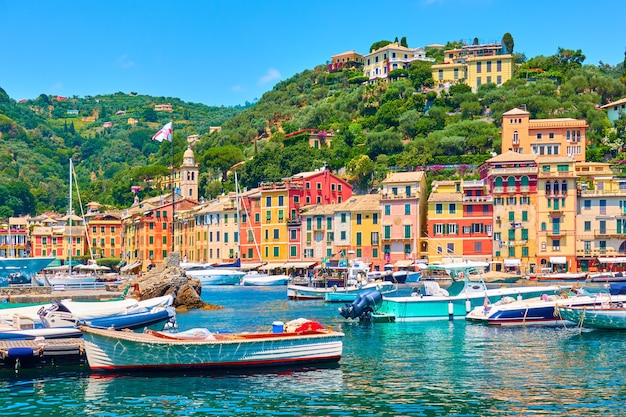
363 306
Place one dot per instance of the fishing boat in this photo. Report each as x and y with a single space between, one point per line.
349 294
610 315
350 277
434 302
308 344
537 311
21 270
254 278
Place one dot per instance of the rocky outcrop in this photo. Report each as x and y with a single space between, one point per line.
170 278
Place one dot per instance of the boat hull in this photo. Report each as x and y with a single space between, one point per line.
217 276
435 307
264 280
347 295
596 317
27 267
114 351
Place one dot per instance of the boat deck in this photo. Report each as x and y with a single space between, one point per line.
15 354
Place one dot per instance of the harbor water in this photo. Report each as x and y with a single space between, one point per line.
435 368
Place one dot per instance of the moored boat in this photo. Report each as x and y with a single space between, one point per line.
348 294
254 278
536 311
216 276
23 268
308 344
435 303
609 315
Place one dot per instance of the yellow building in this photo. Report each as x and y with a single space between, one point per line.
356 229
445 211
274 215
104 232
349 59
379 63
474 65
543 137
601 218
556 214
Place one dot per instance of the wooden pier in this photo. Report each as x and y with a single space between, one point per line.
15 354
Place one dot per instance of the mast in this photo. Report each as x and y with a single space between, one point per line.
173 189
70 218
238 218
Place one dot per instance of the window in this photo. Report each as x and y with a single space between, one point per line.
374 238
359 238
343 217
407 231
478 67
407 209
452 208
343 235
359 218
268 201
268 216
387 232
281 201
539 136
387 210
438 208
375 218
450 247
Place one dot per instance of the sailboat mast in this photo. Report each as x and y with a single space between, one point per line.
238 217
70 217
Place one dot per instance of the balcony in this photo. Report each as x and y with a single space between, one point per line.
477 199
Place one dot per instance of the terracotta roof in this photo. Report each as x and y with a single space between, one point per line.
366 202
515 111
445 197
615 103
413 176
510 156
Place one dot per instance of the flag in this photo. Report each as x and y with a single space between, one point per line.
164 134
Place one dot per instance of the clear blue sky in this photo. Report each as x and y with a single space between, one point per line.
228 52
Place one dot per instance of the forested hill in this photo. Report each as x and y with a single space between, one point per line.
400 123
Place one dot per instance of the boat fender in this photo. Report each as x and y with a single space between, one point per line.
20 352
450 310
519 296
468 305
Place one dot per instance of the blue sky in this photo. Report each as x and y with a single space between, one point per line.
228 52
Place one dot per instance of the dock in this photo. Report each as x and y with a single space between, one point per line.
18 354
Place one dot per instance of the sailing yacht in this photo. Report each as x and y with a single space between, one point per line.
67 277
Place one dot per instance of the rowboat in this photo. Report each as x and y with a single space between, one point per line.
308 344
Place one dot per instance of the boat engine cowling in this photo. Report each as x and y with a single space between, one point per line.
365 303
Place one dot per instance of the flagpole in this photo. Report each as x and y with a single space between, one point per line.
173 189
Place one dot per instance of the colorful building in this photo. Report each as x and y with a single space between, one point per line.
543 137
460 217
104 232
403 218
379 63
349 59
474 65
511 179
556 214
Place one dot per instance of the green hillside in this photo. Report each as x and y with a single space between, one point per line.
400 123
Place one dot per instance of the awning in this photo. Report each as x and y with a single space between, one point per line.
512 262
246 266
272 265
403 264
298 264
130 267
616 260
558 260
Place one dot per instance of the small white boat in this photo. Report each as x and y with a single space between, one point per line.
309 344
254 278
349 294
216 276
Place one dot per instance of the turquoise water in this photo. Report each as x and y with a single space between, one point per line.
432 368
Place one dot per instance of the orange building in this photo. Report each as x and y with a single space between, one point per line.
543 137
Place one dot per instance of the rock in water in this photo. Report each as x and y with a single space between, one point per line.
169 278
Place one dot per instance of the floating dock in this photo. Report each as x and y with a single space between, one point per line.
17 354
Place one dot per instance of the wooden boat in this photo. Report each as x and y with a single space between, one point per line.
606 316
439 303
310 343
